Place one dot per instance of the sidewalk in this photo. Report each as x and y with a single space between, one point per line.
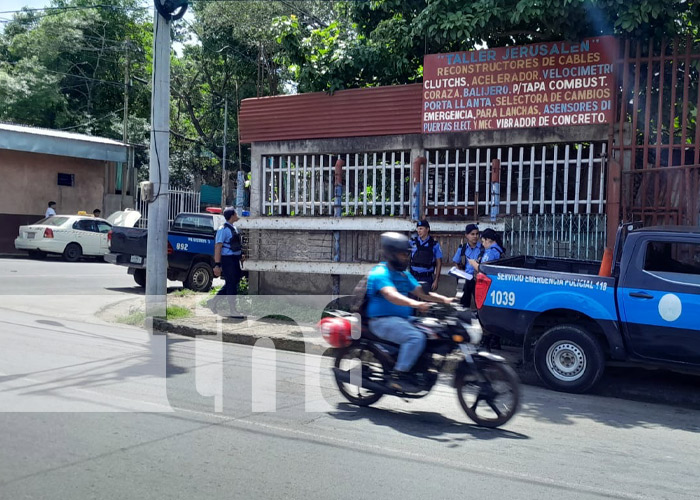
624 382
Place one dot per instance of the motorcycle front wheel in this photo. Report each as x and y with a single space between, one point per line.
491 397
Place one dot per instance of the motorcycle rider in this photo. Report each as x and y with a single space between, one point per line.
389 307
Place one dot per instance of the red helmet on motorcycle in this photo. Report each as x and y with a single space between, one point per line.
336 331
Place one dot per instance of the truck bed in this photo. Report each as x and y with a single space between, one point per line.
569 266
129 240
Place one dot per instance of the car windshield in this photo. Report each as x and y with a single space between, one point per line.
52 221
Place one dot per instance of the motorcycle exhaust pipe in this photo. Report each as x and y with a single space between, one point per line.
344 376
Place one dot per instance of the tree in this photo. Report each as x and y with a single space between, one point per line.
383 42
65 68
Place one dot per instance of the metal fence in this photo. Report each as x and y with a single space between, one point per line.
553 178
373 184
575 236
179 201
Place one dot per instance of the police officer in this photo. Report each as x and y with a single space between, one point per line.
426 256
470 249
227 262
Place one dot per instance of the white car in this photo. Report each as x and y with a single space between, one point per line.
72 235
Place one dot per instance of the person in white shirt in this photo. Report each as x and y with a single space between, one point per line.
50 211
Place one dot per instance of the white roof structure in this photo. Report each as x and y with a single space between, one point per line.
58 142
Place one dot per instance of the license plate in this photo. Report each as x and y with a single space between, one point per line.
30 236
136 259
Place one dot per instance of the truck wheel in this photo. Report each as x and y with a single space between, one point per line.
569 359
72 252
200 277
140 277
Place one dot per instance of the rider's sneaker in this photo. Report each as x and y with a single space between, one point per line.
401 381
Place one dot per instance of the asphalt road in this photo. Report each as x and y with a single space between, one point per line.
103 416
91 410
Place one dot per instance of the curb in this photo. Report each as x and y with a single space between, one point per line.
628 383
286 343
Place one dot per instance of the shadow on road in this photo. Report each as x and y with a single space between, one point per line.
421 424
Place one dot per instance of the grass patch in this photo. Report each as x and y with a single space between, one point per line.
137 318
177 312
185 292
134 319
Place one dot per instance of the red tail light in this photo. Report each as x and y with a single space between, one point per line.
481 290
170 249
336 331
109 236
48 233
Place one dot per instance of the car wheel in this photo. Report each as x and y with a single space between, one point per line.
140 277
72 252
569 359
200 277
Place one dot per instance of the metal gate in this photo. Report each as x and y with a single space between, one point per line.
180 200
660 99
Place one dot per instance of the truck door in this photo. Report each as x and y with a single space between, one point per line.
659 298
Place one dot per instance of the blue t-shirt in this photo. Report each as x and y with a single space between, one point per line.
469 253
223 236
492 253
381 276
437 253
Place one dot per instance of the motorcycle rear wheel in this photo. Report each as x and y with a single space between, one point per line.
493 401
352 357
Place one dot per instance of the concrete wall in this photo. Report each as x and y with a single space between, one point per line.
29 181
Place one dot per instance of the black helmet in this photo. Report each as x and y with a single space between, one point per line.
393 245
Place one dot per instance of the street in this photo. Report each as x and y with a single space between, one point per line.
93 410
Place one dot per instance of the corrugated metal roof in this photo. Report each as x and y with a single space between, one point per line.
392 110
58 142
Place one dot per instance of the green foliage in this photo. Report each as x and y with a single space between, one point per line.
383 42
66 70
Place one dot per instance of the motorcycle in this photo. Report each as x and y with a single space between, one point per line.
487 387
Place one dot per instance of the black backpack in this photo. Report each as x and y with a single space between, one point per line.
424 256
358 303
359 300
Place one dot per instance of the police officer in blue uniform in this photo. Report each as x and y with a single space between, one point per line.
228 251
426 256
470 249
493 250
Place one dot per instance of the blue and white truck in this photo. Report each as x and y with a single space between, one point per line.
572 317
190 250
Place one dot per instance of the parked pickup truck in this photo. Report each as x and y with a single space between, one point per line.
190 250
571 319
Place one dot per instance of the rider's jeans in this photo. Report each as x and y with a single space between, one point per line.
400 331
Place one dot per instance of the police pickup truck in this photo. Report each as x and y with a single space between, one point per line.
190 250
573 316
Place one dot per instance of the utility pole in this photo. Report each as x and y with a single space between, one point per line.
125 126
224 174
157 258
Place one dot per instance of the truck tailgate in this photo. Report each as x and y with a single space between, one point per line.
129 240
